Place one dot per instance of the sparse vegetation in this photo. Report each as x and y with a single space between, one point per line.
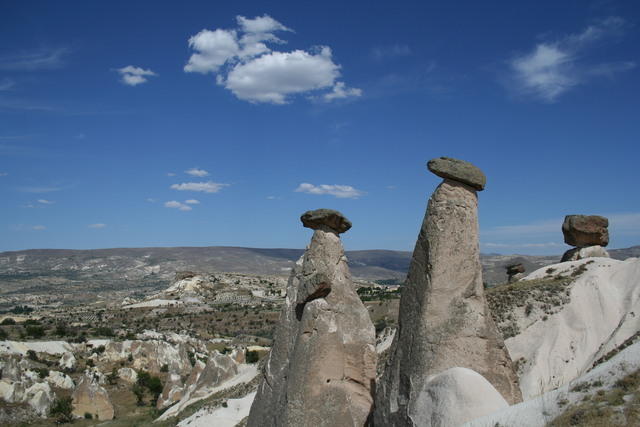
61 410
618 406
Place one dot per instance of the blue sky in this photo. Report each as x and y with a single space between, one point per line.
128 124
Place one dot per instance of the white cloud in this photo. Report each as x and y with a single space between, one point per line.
340 191
340 91
171 174
205 187
42 59
133 76
177 205
40 189
197 172
38 227
151 200
254 72
45 202
552 68
97 225
192 202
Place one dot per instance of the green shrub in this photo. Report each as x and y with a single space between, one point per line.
34 331
32 355
42 372
61 410
3 334
8 321
165 368
88 416
252 356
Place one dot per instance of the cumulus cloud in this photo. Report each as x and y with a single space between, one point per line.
205 187
97 225
133 76
197 172
340 191
177 205
45 202
554 67
38 227
192 202
254 72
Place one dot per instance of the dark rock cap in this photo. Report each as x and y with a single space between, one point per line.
514 269
327 217
458 170
585 230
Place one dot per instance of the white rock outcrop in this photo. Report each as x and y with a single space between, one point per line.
603 311
456 396
60 380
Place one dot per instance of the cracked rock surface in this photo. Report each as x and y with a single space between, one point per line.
322 366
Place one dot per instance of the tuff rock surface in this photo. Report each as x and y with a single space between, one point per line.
585 230
456 396
576 254
322 366
90 397
444 319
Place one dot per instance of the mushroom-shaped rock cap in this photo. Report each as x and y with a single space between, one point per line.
327 217
458 170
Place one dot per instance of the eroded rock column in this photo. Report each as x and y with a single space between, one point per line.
322 366
444 320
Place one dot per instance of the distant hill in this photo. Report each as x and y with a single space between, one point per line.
126 266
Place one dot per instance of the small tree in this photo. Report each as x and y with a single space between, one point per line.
61 410
252 356
139 392
8 321
112 378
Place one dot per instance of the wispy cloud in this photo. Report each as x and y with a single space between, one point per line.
171 174
133 76
97 225
491 245
554 67
177 205
38 227
197 172
340 191
41 59
192 202
254 72
380 53
205 187
45 202
40 189
6 84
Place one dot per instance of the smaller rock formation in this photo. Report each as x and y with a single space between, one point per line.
67 361
90 397
171 393
60 380
40 397
588 233
515 272
128 375
322 366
